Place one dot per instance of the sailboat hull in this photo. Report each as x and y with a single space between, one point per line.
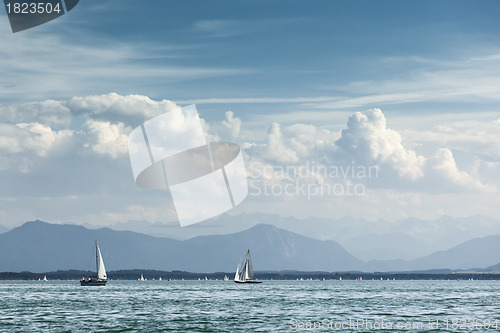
248 281
93 282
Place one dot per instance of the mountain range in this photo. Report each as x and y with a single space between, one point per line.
405 239
39 246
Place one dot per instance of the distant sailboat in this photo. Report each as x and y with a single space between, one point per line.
226 278
160 279
245 275
141 278
45 278
102 278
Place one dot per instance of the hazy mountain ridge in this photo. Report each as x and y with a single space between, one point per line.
405 239
39 246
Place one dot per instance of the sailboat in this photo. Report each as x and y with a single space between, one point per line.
101 278
141 278
245 274
226 278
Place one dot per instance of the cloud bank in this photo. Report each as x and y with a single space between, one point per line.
82 142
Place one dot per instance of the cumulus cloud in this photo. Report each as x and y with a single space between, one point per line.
133 109
39 143
276 149
368 139
446 167
365 141
106 138
293 144
233 124
35 130
22 144
49 112
36 138
113 105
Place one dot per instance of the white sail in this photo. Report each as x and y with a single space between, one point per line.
237 274
248 268
246 276
101 270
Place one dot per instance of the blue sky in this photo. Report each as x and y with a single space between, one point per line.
187 51
293 74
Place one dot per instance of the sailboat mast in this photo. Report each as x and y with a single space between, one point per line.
96 257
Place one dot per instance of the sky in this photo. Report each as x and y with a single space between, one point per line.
370 109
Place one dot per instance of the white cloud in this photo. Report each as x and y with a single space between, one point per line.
22 144
446 166
210 135
368 140
365 141
35 138
413 182
276 150
106 138
113 105
48 112
233 124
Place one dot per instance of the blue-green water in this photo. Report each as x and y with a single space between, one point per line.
273 306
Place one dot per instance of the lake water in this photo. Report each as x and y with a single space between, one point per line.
273 306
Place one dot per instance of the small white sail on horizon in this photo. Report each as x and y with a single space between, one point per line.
141 278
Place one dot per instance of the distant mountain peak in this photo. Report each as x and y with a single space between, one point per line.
264 227
38 221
